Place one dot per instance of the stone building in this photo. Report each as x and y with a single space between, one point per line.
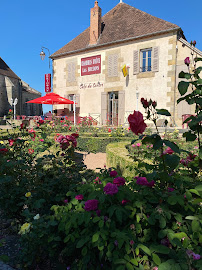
151 50
11 86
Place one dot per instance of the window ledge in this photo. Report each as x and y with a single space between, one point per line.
149 74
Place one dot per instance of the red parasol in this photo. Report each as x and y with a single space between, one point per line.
51 98
54 99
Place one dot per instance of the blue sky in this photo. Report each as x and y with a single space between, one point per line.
27 25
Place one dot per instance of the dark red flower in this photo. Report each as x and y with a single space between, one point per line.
187 61
136 121
41 122
145 103
154 104
113 173
91 205
76 135
3 150
119 181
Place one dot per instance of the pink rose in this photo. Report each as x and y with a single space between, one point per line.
187 61
79 197
138 144
136 121
168 151
91 205
119 181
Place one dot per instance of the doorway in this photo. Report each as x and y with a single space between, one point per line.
112 115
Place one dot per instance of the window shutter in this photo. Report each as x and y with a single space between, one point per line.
73 71
77 104
135 62
121 108
103 108
155 66
115 65
110 64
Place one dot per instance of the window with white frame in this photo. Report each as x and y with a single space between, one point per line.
146 60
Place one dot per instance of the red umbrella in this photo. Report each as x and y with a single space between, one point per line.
51 98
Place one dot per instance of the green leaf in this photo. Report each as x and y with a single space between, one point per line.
180 235
190 137
129 266
81 242
199 187
162 222
172 161
194 191
95 237
182 74
197 59
172 145
163 112
84 251
160 249
119 261
183 87
195 225
172 200
165 266
191 218
145 249
134 261
156 259
199 81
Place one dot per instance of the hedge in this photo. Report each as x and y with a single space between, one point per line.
118 157
96 144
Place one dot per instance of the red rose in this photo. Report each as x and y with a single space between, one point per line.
76 135
137 124
145 103
41 122
3 150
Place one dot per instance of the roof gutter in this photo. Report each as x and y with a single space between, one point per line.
115 42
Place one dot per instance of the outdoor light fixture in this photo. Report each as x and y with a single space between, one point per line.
137 96
14 103
43 55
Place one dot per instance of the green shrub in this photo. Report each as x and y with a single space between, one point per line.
118 157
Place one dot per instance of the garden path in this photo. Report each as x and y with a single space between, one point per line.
94 161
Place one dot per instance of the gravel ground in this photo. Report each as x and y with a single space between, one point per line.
94 161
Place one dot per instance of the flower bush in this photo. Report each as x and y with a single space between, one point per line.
69 220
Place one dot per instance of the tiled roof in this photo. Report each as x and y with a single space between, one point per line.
123 22
6 71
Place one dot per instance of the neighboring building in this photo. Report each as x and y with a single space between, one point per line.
90 66
11 86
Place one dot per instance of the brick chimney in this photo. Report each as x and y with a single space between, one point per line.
95 23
